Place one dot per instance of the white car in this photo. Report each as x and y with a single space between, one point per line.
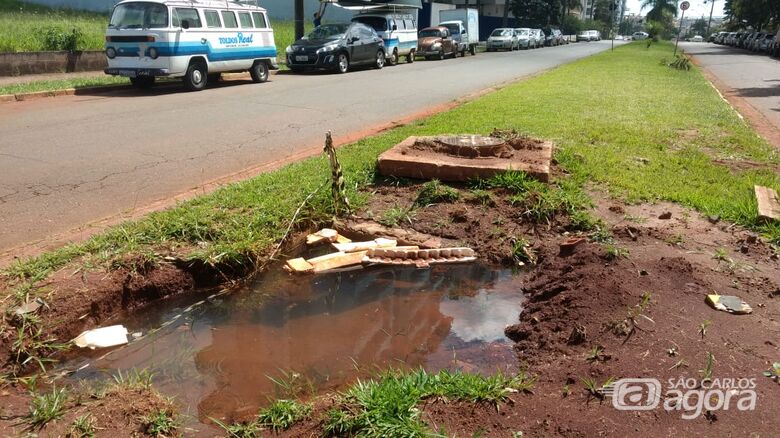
503 38
640 36
697 39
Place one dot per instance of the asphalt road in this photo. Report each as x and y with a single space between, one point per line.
69 161
752 76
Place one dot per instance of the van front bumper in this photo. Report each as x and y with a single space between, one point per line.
136 72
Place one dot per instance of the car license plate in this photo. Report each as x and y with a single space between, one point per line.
128 73
301 58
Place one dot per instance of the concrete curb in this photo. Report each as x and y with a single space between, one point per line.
19 97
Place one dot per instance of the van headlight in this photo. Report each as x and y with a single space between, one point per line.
153 53
328 48
111 53
289 49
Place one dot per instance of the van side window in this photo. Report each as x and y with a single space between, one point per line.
245 19
259 20
229 18
188 14
212 19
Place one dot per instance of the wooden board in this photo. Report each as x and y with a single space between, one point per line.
362 246
336 260
299 265
768 204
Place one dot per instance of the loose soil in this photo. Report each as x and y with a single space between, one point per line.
576 301
583 299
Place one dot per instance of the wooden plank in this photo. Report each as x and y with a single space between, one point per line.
299 265
336 260
768 204
362 246
323 235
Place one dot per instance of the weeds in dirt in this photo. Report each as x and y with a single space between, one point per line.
434 192
161 423
774 372
722 255
596 354
522 253
679 364
593 389
83 427
396 216
482 197
239 430
29 344
676 240
46 407
134 378
283 413
565 391
703 327
613 252
635 219
387 406
629 325
292 384
706 373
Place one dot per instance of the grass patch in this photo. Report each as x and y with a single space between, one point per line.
46 407
434 192
161 423
24 28
641 113
283 413
387 406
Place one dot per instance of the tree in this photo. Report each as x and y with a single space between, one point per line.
756 13
658 8
699 27
537 13
570 5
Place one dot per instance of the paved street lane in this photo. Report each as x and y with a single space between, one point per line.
71 160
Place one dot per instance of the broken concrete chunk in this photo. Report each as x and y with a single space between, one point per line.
729 303
568 245
419 257
299 265
372 230
768 204
102 337
362 246
325 235
30 307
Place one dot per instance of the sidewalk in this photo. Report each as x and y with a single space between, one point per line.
749 81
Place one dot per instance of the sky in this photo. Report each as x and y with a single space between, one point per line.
697 9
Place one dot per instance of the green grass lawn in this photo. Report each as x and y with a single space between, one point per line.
61 84
620 120
22 26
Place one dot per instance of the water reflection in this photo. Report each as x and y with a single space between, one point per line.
330 329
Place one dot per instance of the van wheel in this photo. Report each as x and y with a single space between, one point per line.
259 72
410 57
393 59
342 66
380 59
143 82
473 50
196 77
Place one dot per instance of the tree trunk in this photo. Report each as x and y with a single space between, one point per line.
298 19
505 18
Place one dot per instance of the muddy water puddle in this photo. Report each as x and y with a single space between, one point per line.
302 335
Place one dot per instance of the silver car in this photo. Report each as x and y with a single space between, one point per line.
538 36
503 38
524 38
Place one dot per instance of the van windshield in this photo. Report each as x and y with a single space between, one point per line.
453 28
379 24
327 31
140 15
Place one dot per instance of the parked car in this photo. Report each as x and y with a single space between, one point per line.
538 36
775 47
730 38
754 43
553 37
337 47
765 44
720 37
503 38
398 31
524 40
637 36
697 39
583 35
436 42
594 35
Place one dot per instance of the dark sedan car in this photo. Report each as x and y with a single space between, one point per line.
553 37
337 47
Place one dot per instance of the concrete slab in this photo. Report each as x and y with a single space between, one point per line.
437 158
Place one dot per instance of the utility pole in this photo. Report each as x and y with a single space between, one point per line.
299 19
709 23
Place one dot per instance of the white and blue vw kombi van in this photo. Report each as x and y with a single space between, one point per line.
398 30
193 40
